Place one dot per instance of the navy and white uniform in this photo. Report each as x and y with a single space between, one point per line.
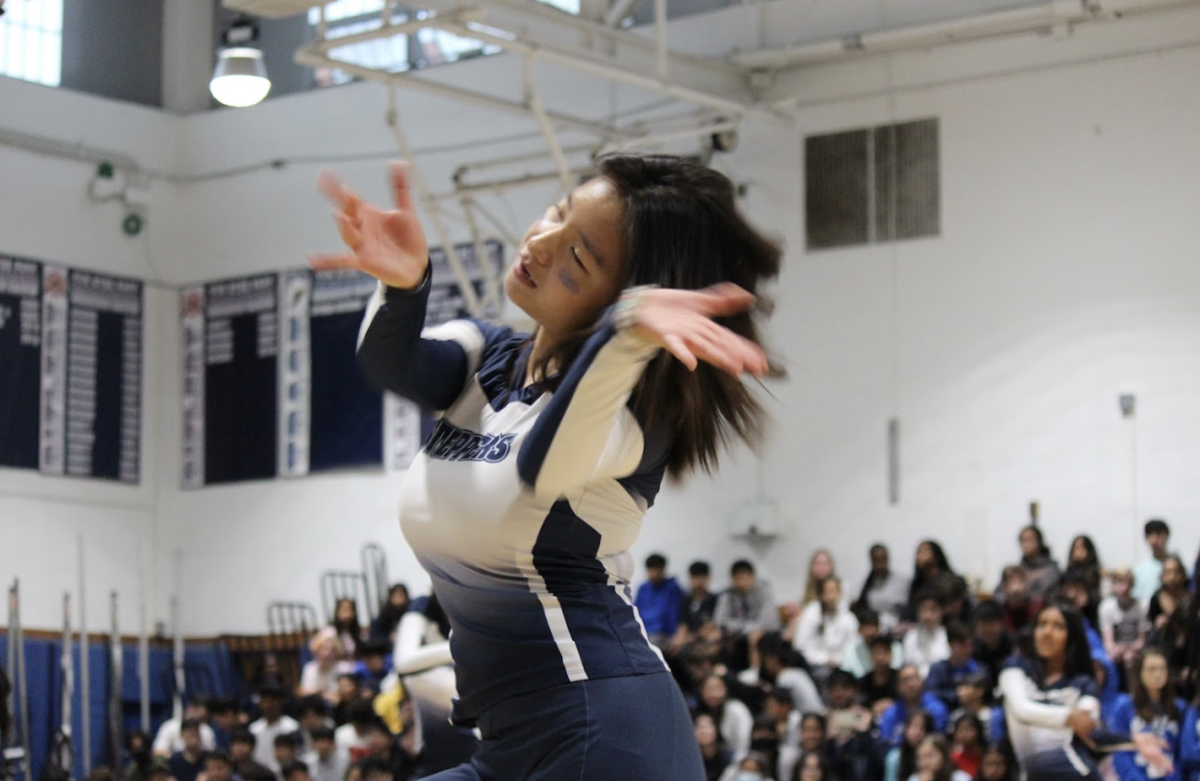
522 506
1035 716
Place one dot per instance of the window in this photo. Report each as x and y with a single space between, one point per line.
394 53
31 41
872 185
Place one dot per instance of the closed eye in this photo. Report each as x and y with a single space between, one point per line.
578 260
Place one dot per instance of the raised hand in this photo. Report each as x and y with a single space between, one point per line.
680 321
387 244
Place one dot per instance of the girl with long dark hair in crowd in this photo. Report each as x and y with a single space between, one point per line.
713 752
884 591
383 627
1083 558
931 574
1052 706
345 622
1152 707
933 762
1041 571
996 764
550 448
901 761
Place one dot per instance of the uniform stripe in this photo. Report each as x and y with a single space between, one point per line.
555 619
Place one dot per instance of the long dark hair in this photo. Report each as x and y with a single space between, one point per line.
1141 695
908 754
1043 548
350 626
1093 558
939 556
1078 659
682 230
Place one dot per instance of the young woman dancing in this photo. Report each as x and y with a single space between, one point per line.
550 448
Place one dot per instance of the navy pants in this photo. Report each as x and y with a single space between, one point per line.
612 729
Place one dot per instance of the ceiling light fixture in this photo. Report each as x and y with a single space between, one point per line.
240 77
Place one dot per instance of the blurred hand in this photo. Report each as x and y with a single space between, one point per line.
680 321
388 244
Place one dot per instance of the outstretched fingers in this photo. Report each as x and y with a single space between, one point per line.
329 261
726 298
401 191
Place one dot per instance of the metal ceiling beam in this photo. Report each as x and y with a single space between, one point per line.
311 56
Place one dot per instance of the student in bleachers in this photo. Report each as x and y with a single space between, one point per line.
271 724
1171 595
287 750
713 751
218 767
1150 706
1148 572
764 739
780 711
926 642
325 762
351 737
373 665
241 753
187 764
900 760
781 667
1083 559
320 673
820 567
1018 604
1123 621
972 696
857 660
167 740
225 720
910 696
934 763
814 732
697 609
733 719
885 592
931 573
967 742
1041 571
850 745
813 766
659 601
997 764
945 675
296 770
745 612
383 627
878 687
345 622
993 643
825 631
755 766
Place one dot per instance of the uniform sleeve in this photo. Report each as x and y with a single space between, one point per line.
410 656
430 369
1018 703
566 444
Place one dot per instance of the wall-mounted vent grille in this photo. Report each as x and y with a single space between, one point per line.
872 185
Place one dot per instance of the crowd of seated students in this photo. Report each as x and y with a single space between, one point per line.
900 679
896 680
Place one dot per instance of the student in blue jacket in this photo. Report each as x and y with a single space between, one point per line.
1151 706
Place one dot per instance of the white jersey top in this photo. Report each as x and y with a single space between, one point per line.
523 503
1036 715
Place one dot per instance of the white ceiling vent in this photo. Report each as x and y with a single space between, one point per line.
272 9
